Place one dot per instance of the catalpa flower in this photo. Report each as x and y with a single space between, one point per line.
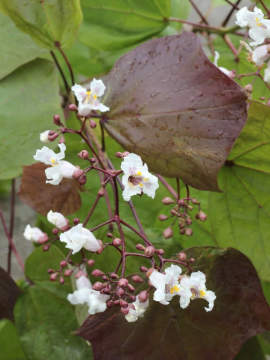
136 310
259 28
57 219
59 168
86 295
79 237
44 136
193 287
260 54
136 178
35 234
88 99
167 285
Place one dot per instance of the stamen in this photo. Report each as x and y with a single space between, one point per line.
174 289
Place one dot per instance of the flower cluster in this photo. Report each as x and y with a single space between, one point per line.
259 32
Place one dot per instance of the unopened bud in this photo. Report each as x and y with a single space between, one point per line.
140 247
149 272
188 231
97 286
110 303
195 201
97 273
162 217
188 221
99 251
182 256
125 311
93 160
92 124
192 260
182 202
52 135
143 269
56 120
101 192
76 221
248 88
77 173
123 303
117 242
72 107
46 247
132 297
123 282
63 263
137 279
83 154
55 231
105 278
143 296
167 200
91 262
50 271
120 292
119 155
160 251
131 288
61 280
201 216
114 276
53 276
168 233
109 235
68 272
82 179
149 251
174 212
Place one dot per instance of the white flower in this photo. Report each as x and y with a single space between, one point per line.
57 219
86 295
44 136
79 237
267 73
259 28
167 285
260 54
136 310
59 168
193 287
35 234
136 178
227 72
88 99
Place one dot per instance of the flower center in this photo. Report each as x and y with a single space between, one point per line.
258 23
53 161
197 293
88 96
174 289
136 179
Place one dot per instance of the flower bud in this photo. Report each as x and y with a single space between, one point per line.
149 251
83 154
52 135
123 282
110 303
160 251
61 280
143 269
125 153
168 233
56 120
131 288
97 273
72 107
143 296
91 262
76 221
46 247
99 251
93 160
182 203
68 272
105 278
167 200
117 242
119 155
123 303
109 235
201 216
77 173
120 292
140 247
162 217
98 286
101 192
192 260
182 256
50 271
114 275
132 297
55 231
188 231
53 276
63 263
82 179
174 212
137 279
248 88
195 201
188 221
93 124
125 311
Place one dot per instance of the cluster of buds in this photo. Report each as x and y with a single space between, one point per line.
181 212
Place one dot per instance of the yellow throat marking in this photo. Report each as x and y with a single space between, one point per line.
202 293
174 289
258 23
88 94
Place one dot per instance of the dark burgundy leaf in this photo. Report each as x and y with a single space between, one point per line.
177 110
43 197
170 333
9 292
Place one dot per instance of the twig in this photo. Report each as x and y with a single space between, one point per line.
90 213
11 223
231 46
226 20
167 186
198 11
232 4
60 72
58 46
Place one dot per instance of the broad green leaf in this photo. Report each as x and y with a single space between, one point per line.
45 324
179 9
168 332
11 348
28 100
174 108
47 21
17 47
115 24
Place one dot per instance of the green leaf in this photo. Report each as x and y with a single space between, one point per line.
175 109
115 24
10 345
179 9
45 323
28 99
18 47
47 21
168 332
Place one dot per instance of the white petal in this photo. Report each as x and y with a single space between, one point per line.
85 109
132 316
79 296
97 87
260 54
79 91
67 169
54 175
33 233
57 219
97 302
83 282
131 164
267 74
44 155
101 107
44 136
210 296
173 271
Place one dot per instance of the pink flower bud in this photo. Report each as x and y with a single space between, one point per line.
91 262
77 173
160 251
140 247
53 276
110 303
201 216
167 200
61 280
109 235
101 192
105 278
46 247
174 212
56 120
83 154
82 179
98 286
182 256
117 242
149 251
143 269
55 231
195 201
63 263
188 221
137 279
143 296
120 292
131 288
123 282
76 221
123 303
68 272
188 232
132 298
72 107
97 273
93 160
93 124
52 135
125 311
99 251
50 271
44 238
116 302
114 276
192 260
125 153
119 155
168 233
80 273
162 217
